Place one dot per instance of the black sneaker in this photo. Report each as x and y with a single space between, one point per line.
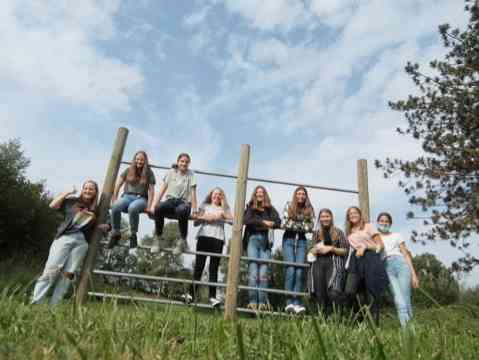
113 241
133 241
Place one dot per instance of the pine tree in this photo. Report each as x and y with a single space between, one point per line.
444 117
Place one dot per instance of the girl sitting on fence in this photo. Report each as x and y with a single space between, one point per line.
260 219
70 245
213 213
139 189
366 272
298 220
328 258
179 189
399 268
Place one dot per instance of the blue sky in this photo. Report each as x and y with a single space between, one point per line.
306 83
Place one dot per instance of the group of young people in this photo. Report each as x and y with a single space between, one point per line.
361 260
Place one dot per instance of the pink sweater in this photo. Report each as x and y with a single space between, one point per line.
362 238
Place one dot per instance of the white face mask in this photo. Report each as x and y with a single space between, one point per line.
384 228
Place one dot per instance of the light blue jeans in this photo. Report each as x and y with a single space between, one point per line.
131 204
294 251
66 256
258 272
399 275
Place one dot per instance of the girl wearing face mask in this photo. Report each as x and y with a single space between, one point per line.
70 245
366 271
399 268
298 220
328 258
179 189
139 189
213 213
260 217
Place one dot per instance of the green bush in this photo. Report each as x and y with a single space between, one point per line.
436 282
27 224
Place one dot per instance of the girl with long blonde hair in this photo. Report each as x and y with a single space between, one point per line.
71 242
213 213
260 218
366 273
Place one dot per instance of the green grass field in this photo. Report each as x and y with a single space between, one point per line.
131 331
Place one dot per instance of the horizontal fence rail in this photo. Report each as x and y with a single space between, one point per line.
278 182
195 282
176 303
244 258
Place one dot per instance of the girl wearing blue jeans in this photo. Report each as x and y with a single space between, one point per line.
298 220
260 219
139 188
71 242
399 268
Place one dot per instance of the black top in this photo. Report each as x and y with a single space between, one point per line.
73 220
253 219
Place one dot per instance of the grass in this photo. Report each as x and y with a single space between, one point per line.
110 330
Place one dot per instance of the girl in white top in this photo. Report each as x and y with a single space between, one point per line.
399 268
213 213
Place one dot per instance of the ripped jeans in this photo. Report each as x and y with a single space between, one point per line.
64 261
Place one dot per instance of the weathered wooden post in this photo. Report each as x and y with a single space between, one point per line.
231 300
102 212
363 188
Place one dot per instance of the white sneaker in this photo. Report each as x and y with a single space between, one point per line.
187 298
215 302
299 309
290 309
133 252
155 246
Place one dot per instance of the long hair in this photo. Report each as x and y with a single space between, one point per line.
91 205
253 202
295 209
175 165
348 225
320 231
224 202
133 175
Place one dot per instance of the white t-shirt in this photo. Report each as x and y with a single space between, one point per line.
391 243
215 229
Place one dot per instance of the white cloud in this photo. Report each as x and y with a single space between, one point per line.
49 47
269 14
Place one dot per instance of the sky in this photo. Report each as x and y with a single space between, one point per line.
305 82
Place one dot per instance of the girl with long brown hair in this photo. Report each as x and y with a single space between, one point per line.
260 219
213 213
71 242
328 258
366 273
139 189
179 189
298 220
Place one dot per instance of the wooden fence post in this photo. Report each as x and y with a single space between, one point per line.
102 212
363 188
231 300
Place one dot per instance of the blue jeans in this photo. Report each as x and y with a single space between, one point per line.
258 272
399 275
294 251
131 204
66 256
